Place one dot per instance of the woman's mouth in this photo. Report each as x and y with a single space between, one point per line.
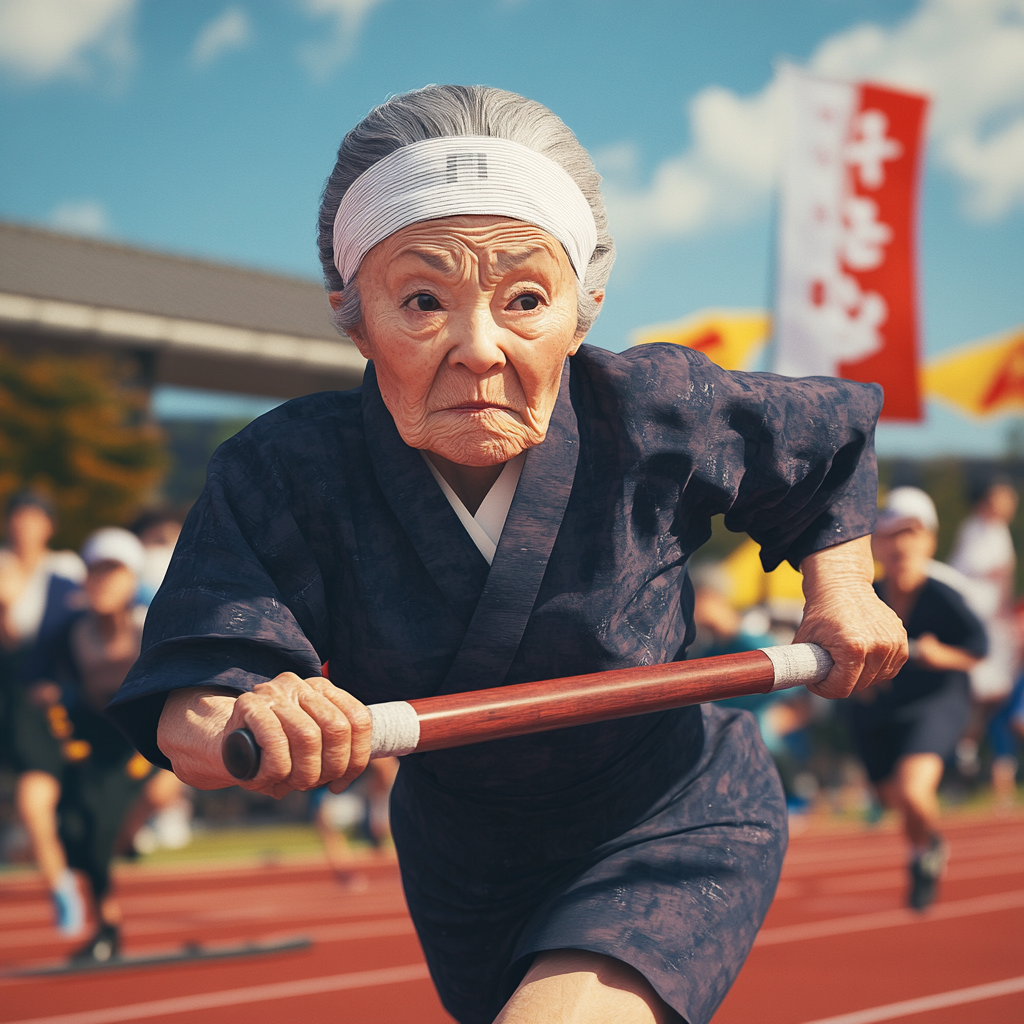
479 406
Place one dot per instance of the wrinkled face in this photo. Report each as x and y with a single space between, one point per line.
468 321
110 587
906 550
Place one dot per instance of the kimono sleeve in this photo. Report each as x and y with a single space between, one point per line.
242 601
789 461
810 476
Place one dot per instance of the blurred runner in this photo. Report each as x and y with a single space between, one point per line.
39 592
79 770
365 804
906 729
158 530
782 717
984 554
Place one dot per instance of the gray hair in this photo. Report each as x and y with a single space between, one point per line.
441 111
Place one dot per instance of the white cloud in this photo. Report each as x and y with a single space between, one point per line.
231 31
347 17
81 218
968 55
46 39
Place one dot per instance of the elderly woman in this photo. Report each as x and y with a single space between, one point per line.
499 503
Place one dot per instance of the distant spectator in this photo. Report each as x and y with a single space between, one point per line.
984 554
782 717
38 591
80 775
364 804
905 729
158 530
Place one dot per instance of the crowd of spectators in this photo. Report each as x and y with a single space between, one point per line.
71 627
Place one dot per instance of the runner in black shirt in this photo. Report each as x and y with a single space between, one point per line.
907 728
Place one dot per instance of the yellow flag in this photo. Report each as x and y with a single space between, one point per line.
749 584
729 337
984 378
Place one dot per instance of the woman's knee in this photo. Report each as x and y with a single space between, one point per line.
591 988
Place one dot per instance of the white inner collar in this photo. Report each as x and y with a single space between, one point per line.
485 527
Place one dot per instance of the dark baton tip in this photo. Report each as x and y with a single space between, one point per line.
241 754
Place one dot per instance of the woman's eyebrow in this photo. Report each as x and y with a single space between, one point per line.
444 264
505 262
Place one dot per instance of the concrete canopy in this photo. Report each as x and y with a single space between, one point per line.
188 322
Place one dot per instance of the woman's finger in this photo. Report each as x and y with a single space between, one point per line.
335 733
361 722
305 743
275 758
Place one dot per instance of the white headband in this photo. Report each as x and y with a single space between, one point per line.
457 176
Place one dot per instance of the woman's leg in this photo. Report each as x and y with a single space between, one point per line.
38 794
572 985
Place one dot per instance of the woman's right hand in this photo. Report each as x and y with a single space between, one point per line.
310 732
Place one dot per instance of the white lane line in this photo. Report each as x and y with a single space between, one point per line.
889 919
940 1001
237 996
386 927
856 858
895 878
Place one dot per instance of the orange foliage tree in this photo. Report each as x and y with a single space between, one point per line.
74 427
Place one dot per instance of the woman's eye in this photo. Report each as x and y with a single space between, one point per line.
526 301
424 302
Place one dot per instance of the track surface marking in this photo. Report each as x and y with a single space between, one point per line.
838 946
910 1007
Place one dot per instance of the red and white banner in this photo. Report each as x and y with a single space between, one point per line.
846 298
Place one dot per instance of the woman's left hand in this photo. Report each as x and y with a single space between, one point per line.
844 615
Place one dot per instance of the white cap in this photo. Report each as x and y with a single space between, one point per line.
113 544
905 506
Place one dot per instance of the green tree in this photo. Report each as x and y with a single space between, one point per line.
76 428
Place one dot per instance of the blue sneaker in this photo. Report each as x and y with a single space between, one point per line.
68 906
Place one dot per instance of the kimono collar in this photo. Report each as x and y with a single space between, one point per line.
496 604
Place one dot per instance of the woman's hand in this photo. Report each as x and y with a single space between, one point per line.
843 614
310 732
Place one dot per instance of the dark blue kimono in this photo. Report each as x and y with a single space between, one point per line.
658 840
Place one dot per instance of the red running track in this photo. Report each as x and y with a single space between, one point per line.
837 947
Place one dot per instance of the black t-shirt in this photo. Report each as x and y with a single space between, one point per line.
941 611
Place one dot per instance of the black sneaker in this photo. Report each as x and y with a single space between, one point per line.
925 871
103 947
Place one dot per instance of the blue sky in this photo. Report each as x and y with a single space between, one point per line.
207 128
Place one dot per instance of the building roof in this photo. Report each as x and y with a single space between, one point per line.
208 324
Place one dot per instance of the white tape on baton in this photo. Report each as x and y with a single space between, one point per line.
798 664
396 729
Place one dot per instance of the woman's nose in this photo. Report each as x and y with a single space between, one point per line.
477 342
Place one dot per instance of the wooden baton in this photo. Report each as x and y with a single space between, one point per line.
458 719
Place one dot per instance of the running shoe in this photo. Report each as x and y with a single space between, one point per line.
925 871
103 947
68 907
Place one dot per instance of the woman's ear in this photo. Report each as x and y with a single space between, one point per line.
598 298
356 331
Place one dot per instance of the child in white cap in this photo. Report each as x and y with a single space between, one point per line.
83 775
907 728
